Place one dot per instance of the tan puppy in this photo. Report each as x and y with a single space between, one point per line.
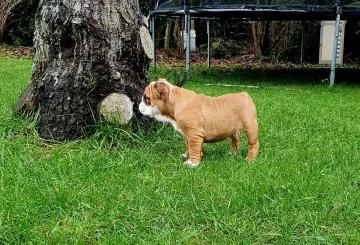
202 119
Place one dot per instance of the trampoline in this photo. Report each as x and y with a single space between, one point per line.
260 10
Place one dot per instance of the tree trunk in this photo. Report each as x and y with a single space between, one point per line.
256 31
167 34
178 37
266 40
84 51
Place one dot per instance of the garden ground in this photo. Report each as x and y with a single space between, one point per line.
123 187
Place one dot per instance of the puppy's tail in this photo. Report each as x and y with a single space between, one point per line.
248 97
246 94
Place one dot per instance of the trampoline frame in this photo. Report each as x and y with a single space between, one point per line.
255 12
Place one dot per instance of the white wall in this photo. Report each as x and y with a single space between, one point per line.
326 42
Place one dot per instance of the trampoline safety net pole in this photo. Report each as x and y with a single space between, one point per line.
302 44
335 44
208 43
152 26
187 31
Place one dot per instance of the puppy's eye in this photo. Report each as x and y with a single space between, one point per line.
147 100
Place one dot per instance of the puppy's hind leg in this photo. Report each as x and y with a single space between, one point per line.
186 154
253 141
235 142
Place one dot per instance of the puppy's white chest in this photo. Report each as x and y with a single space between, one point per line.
162 118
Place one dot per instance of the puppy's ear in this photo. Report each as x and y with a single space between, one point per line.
160 88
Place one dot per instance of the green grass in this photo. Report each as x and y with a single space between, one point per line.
123 188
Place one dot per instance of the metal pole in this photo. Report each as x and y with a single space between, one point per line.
335 45
153 40
302 44
208 33
187 30
188 38
185 27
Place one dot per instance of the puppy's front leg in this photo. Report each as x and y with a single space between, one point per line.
186 154
194 149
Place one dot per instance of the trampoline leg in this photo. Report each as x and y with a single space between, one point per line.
153 41
208 43
334 52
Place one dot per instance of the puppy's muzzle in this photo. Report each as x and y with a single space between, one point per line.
145 109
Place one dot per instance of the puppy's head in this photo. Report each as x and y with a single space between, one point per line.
157 99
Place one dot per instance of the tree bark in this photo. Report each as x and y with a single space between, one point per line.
84 51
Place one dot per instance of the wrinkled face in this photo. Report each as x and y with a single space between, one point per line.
156 99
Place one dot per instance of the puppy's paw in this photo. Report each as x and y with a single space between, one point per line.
191 164
185 155
250 158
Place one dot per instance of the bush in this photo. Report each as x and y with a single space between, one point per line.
221 48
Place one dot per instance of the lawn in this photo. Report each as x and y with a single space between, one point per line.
124 188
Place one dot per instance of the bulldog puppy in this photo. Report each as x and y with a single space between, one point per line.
202 119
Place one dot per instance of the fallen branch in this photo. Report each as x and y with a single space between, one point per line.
233 85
